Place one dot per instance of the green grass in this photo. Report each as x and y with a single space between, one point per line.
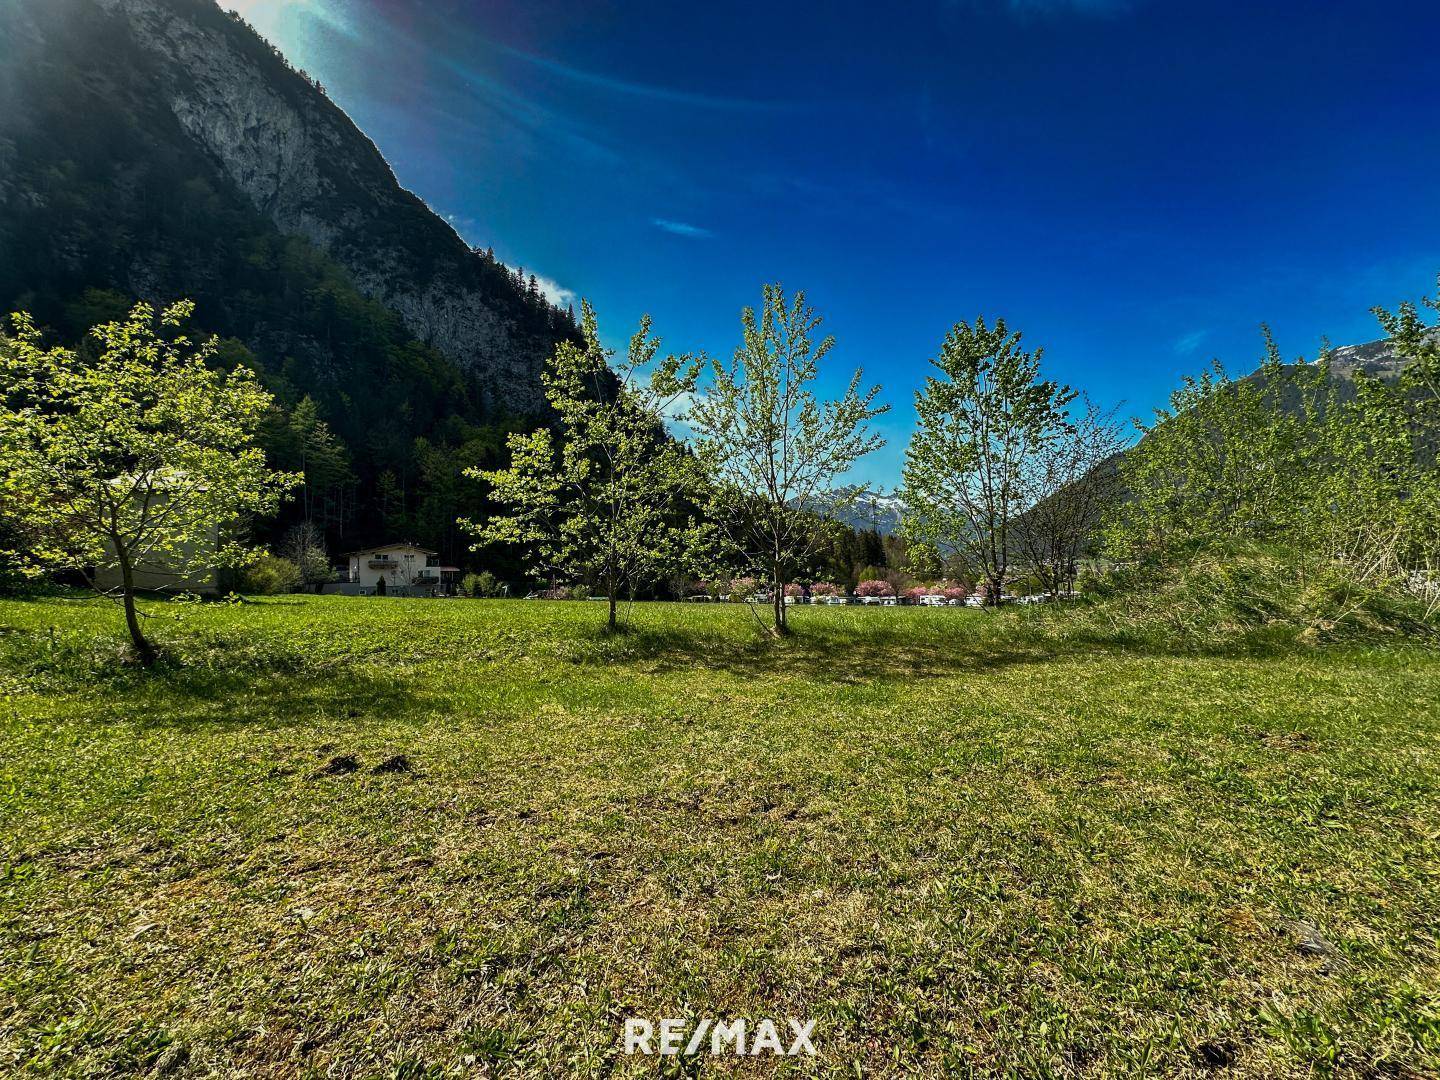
962 842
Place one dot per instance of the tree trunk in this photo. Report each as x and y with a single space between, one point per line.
143 649
612 624
782 625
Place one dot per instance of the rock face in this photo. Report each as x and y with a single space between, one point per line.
1377 359
305 166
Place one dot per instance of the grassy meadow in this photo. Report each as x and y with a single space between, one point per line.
383 837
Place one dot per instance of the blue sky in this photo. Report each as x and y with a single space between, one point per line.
1135 185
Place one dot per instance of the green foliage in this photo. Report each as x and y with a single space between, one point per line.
269 575
144 453
483 585
604 500
1285 456
1243 594
772 446
980 425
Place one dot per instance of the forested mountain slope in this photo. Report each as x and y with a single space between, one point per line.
156 149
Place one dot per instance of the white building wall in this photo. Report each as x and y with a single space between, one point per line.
404 563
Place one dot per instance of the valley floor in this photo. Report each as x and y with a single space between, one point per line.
961 842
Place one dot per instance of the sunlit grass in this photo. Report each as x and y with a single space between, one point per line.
960 841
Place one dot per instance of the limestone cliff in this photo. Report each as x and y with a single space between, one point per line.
302 164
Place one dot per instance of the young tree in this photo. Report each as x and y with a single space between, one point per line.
1236 459
605 503
143 454
305 547
772 446
981 424
1071 482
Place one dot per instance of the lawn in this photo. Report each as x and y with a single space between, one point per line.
961 842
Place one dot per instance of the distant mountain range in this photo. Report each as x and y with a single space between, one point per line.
861 509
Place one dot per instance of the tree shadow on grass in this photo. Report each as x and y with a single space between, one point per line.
194 699
820 652
842 653
212 687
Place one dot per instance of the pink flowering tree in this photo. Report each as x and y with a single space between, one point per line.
874 587
742 587
917 592
952 590
794 589
824 588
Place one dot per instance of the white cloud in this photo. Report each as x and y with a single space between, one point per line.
1189 343
269 16
556 293
681 228
552 290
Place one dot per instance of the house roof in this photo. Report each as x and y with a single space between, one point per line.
387 547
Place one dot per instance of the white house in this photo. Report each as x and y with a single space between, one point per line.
401 565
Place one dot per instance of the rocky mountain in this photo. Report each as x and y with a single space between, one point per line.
862 509
1376 359
183 82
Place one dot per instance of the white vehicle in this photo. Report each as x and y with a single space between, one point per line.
932 601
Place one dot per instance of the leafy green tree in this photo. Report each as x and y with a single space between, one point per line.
1286 455
981 423
602 502
1293 456
1418 343
1225 461
1410 412
772 446
923 561
143 454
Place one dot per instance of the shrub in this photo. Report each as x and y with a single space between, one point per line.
1249 594
874 587
483 584
269 575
